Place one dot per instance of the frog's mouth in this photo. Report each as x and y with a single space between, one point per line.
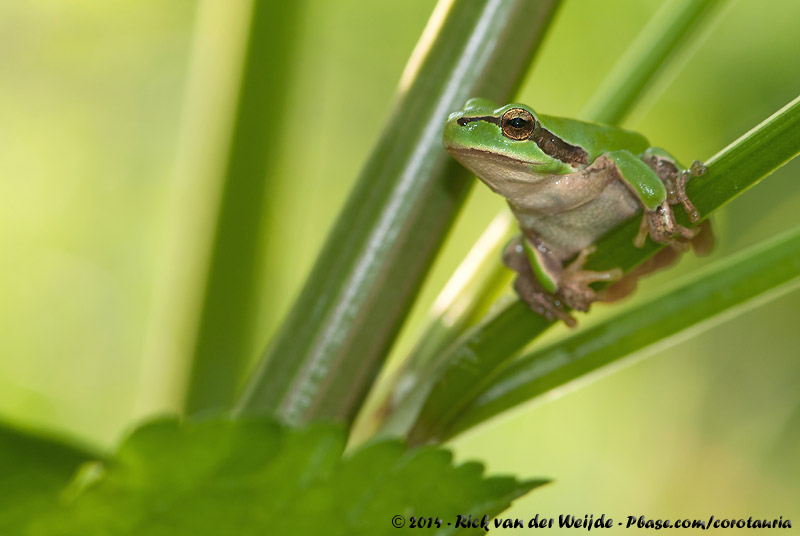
493 167
472 157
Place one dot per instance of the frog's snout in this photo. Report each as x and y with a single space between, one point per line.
479 103
455 116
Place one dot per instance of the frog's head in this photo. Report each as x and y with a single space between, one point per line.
503 146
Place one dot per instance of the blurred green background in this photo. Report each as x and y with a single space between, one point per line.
112 115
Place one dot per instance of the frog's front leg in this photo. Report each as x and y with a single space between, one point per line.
657 184
674 178
660 224
546 285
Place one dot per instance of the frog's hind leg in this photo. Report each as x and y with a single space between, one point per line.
702 243
547 286
625 286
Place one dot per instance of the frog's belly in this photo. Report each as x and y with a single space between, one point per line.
566 233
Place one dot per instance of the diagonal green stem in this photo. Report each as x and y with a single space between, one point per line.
658 41
333 342
475 362
774 266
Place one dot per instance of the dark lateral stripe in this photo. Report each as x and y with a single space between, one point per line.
557 148
488 118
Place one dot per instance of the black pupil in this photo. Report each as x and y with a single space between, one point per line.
518 122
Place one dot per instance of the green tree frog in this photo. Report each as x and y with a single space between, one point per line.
568 182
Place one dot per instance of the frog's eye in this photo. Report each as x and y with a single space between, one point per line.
518 124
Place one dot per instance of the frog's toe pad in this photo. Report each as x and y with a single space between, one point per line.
577 293
698 168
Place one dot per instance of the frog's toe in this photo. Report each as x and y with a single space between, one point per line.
578 297
577 293
542 302
576 275
660 224
676 186
698 168
575 288
675 179
680 191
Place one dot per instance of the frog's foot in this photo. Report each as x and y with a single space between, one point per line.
541 301
675 180
676 189
574 285
660 224
528 287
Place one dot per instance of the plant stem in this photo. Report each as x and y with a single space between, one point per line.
326 354
658 41
225 331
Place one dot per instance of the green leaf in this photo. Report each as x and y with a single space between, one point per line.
470 365
331 346
33 470
254 477
772 268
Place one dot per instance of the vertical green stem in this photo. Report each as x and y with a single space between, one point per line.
325 356
226 324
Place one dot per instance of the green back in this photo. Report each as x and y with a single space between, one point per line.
594 138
